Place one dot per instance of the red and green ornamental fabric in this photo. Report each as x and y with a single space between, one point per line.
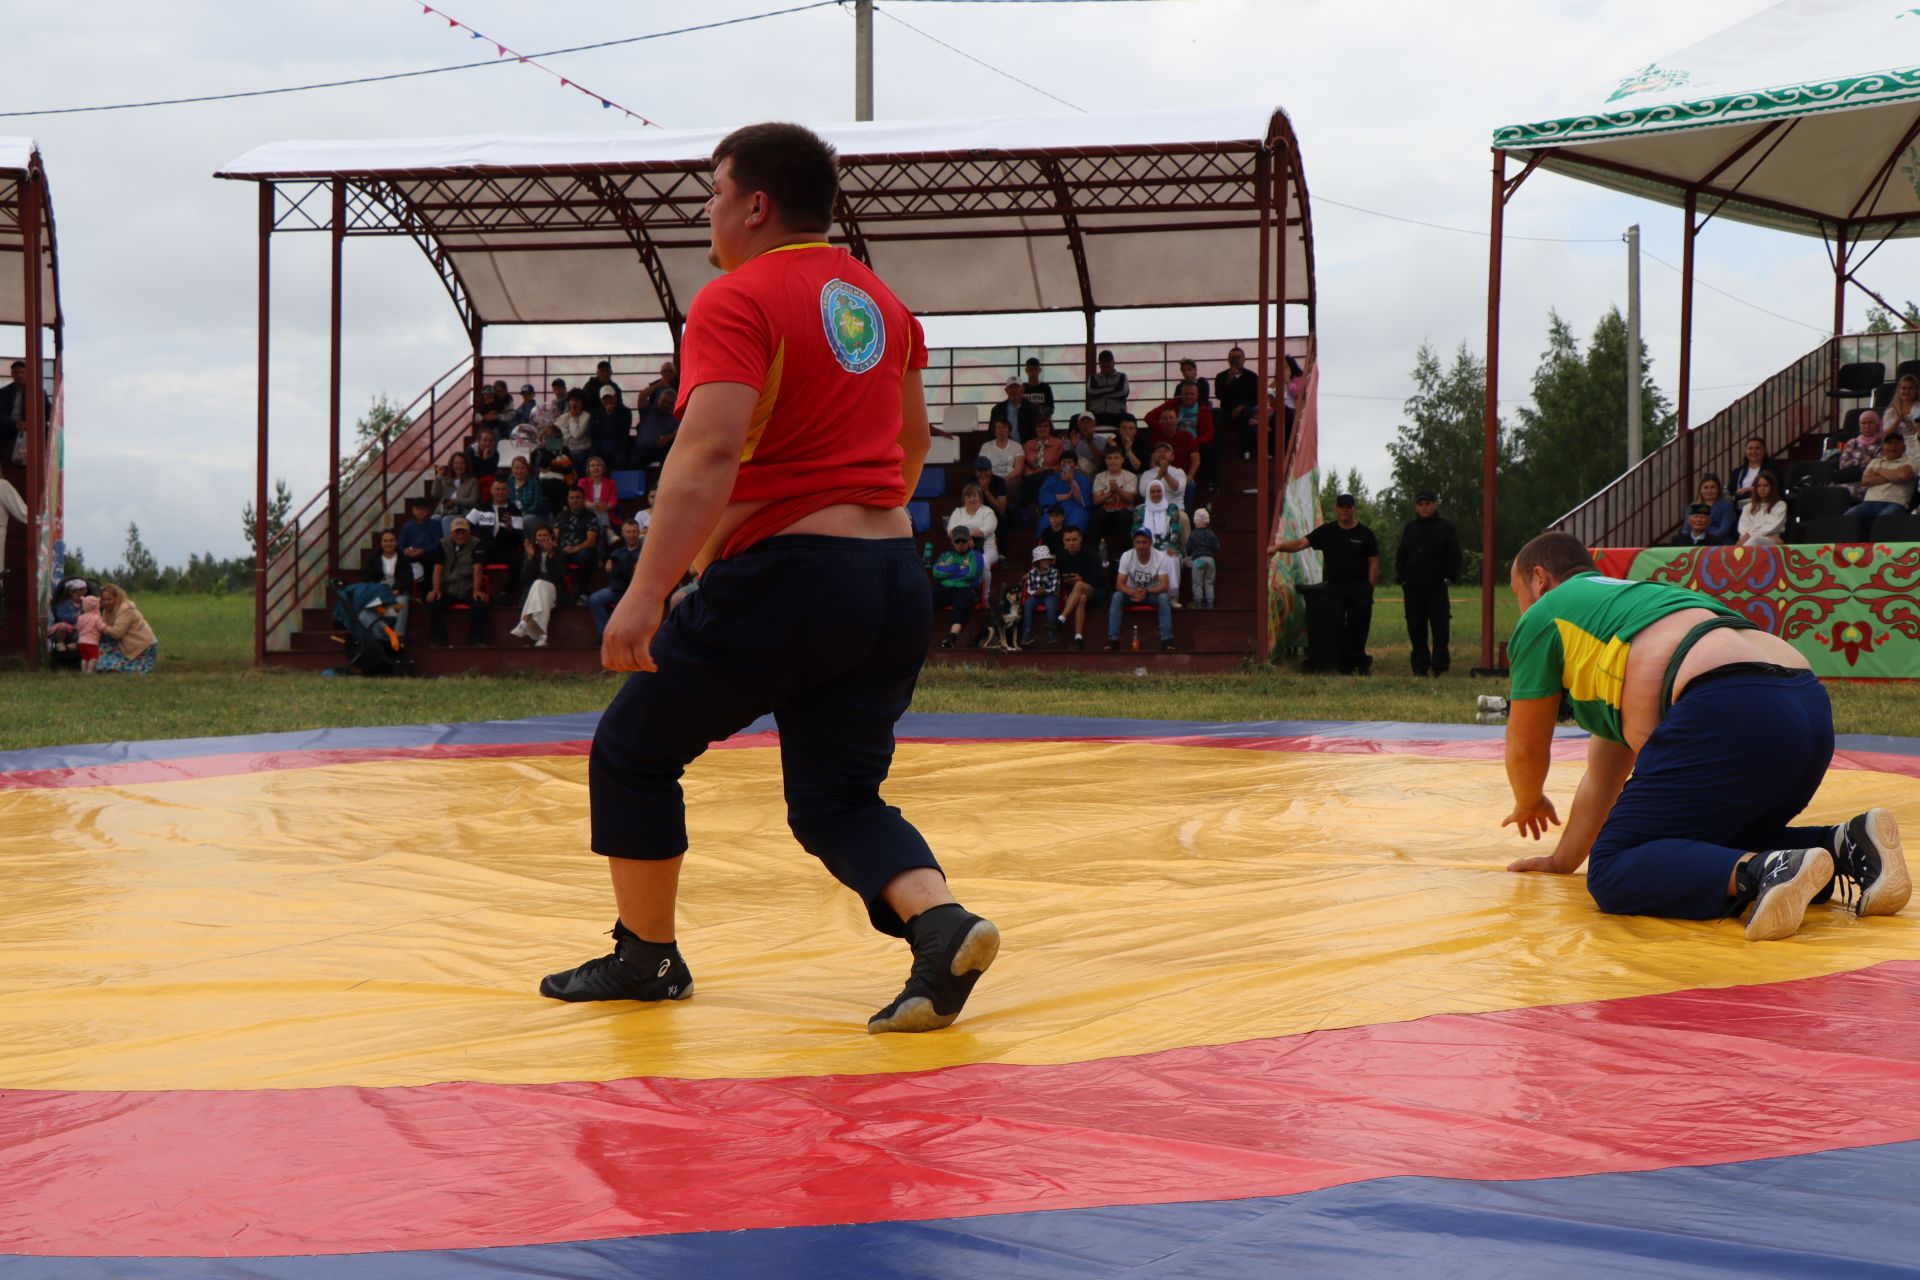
1851 607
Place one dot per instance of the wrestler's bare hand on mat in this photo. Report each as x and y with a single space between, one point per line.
1535 864
628 642
1533 819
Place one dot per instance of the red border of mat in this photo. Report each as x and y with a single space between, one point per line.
1686 1078
218 766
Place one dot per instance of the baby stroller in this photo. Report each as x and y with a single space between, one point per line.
366 611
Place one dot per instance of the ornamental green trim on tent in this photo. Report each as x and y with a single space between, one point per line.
1761 104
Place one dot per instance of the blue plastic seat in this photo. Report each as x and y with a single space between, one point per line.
630 484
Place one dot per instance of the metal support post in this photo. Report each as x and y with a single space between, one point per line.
863 59
337 241
1684 395
1634 430
260 434
38 517
1262 532
1490 435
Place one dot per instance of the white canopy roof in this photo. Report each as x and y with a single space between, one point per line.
987 214
1803 117
18 158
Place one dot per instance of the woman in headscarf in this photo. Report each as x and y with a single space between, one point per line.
1857 453
126 641
1162 519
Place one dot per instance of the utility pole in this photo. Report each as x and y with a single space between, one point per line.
1633 346
863 59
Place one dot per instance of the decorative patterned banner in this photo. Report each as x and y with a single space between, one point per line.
1298 515
1850 607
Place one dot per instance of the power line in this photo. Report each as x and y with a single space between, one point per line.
1737 298
1464 231
428 71
924 35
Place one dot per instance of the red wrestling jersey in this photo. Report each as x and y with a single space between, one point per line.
828 346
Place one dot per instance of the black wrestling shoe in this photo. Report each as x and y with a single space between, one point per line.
1780 885
951 949
1869 869
634 970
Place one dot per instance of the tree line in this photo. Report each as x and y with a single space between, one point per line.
1554 453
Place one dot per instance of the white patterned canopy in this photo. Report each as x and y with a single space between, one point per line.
1804 117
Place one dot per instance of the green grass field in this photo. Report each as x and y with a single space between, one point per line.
205 687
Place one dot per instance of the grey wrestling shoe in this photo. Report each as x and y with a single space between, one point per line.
1869 869
1780 885
634 970
951 949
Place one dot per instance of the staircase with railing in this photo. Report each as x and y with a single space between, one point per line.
1647 504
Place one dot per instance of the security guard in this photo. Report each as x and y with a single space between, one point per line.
1429 558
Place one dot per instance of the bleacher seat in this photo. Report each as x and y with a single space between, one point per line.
1906 367
1827 500
922 516
942 451
960 418
1810 474
1824 529
630 484
1883 394
1857 380
933 483
1849 426
1903 527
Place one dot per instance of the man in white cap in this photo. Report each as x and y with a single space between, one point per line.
1043 587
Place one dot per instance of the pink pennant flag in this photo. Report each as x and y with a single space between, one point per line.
426 8
453 22
565 83
500 49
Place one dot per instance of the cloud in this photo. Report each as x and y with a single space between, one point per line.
1394 104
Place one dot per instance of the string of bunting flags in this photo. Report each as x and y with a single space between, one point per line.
502 50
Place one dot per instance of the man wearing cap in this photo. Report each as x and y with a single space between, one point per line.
459 579
1043 588
1016 411
528 406
1428 559
1107 391
957 577
420 536
1699 529
1352 556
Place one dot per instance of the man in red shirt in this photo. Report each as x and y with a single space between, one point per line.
803 427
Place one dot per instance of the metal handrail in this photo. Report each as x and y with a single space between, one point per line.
1646 504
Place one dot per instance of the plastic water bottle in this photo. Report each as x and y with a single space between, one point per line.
926 555
1136 637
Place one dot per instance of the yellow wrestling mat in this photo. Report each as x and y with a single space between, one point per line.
385 923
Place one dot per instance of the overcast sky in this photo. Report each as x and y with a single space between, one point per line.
1394 103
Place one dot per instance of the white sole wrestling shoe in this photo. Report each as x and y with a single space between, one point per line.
1782 882
1869 867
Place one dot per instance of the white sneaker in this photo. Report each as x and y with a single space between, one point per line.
541 643
519 630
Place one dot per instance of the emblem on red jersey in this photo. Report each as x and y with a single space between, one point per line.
855 331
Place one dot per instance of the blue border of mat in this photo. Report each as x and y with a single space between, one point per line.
573 728
1831 1213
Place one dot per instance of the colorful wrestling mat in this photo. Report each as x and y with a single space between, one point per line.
1268 1004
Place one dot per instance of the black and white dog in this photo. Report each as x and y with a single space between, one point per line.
1002 631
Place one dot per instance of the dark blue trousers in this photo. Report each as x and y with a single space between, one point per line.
826 634
1734 762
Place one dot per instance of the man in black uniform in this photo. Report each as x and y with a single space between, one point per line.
1353 569
1429 558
